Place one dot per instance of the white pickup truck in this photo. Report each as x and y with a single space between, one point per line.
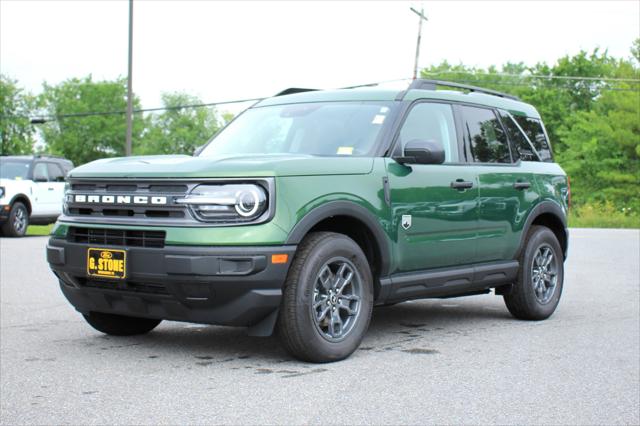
31 191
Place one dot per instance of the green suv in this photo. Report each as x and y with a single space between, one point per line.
312 207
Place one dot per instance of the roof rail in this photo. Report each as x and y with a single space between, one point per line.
41 155
431 85
292 90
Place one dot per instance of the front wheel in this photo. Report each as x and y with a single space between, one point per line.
18 221
327 299
120 325
536 294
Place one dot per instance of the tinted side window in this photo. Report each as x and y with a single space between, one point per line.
55 172
431 122
40 170
487 140
521 148
67 166
533 129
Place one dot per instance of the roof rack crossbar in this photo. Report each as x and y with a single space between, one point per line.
432 84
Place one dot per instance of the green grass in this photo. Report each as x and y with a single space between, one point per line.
39 229
602 216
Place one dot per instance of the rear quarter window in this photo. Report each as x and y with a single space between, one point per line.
521 148
535 132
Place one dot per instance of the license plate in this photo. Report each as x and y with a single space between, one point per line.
106 263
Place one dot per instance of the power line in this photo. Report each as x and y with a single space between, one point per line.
44 118
135 111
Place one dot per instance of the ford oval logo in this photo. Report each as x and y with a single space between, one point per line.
106 255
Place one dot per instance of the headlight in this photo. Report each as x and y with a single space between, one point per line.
227 203
67 197
1 191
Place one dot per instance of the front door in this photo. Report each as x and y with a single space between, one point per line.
43 191
434 207
57 182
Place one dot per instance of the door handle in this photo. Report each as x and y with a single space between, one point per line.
50 189
522 185
460 184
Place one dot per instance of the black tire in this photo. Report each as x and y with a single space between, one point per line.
120 325
17 222
524 302
386 305
301 333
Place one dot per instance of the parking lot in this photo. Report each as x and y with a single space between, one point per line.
437 361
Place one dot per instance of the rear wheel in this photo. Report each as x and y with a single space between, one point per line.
327 300
18 221
537 292
120 325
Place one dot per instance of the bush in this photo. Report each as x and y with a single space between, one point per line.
603 216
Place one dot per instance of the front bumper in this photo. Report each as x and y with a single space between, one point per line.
5 210
212 285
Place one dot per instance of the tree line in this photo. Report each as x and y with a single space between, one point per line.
590 104
83 120
589 101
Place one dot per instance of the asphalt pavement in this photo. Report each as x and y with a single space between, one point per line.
436 361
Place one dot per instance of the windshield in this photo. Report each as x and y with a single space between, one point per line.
320 128
14 169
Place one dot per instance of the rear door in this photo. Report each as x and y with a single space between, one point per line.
434 207
506 184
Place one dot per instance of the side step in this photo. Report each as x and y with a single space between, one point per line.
447 282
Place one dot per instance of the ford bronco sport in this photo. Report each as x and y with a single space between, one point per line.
31 191
313 206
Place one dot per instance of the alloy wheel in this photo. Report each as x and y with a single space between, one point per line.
337 295
20 220
544 273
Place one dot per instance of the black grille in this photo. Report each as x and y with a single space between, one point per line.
116 237
130 286
119 210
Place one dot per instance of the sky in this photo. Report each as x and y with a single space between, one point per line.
223 51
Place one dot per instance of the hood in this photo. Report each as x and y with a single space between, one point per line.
5 182
184 166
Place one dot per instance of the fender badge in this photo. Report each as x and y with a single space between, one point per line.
406 221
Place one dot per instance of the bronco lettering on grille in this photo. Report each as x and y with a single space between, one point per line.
119 199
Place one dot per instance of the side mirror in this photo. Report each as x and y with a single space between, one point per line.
418 151
40 178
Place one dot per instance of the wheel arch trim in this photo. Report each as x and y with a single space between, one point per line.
352 210
24 200
545 207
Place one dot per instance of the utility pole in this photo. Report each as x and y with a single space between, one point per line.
422 17
128 149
